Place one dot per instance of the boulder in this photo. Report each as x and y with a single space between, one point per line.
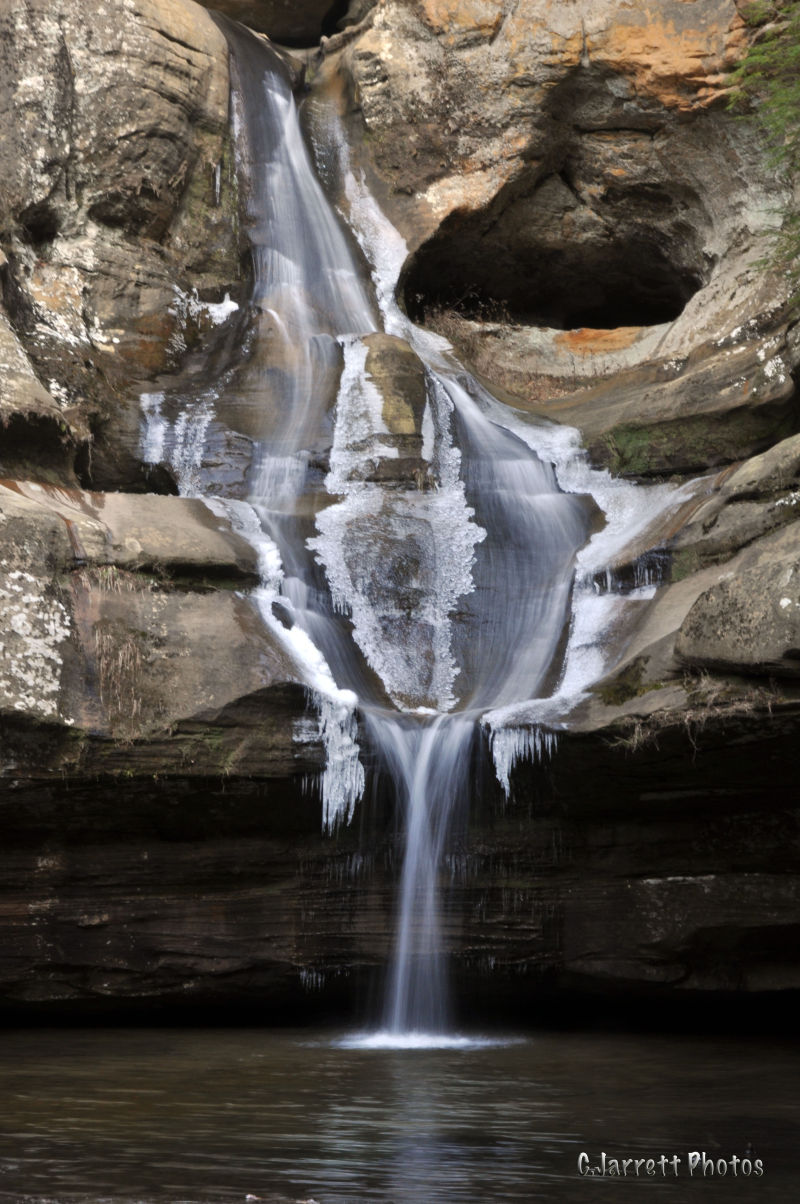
749 623
774 475
118 209
745 503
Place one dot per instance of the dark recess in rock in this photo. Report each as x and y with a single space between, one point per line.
636 262
337 13
39 223
597 232
34 447
286 22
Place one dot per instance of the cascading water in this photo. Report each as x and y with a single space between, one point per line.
430 762
307 291
447 591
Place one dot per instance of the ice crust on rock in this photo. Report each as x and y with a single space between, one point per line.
342 781
398 644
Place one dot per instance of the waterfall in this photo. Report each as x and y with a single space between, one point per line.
307 290
430 766
431 604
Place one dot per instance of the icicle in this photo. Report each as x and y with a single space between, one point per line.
343 777
182 445
513 744
189 440
155 428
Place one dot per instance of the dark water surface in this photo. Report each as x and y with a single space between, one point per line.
169 1115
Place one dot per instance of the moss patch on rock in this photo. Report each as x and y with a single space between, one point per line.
694 443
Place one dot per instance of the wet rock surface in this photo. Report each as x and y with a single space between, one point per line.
612 872
118 213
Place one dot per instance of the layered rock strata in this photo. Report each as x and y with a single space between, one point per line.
580 209
615 874
132 647
587 222
119 222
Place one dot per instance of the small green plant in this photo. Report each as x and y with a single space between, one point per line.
766 83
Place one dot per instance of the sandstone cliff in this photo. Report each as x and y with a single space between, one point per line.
119 221
587 221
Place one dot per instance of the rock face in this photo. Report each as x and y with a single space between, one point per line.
585 221
750 624
290 22
480 101
118 214
117 633
581 209
630 881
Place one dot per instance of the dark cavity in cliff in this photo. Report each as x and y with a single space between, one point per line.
596 231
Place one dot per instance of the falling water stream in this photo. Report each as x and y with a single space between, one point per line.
427 600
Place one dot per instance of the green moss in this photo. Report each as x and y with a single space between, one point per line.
692 444
766 85
630 683
684 563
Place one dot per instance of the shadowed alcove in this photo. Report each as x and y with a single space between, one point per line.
598 232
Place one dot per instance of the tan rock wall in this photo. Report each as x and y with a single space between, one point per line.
468 80
117 192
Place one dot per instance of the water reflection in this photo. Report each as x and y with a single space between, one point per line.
214 1115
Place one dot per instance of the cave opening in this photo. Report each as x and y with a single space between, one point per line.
630 284
619 264
336 13
298 30
597 233
39 224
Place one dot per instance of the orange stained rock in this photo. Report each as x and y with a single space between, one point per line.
565 52
671 49
658 58
586 340
149 350
461 16
57 288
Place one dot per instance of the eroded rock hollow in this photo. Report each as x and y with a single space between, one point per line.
610 225
561 191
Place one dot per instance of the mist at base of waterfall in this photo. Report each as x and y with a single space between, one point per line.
414 1040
